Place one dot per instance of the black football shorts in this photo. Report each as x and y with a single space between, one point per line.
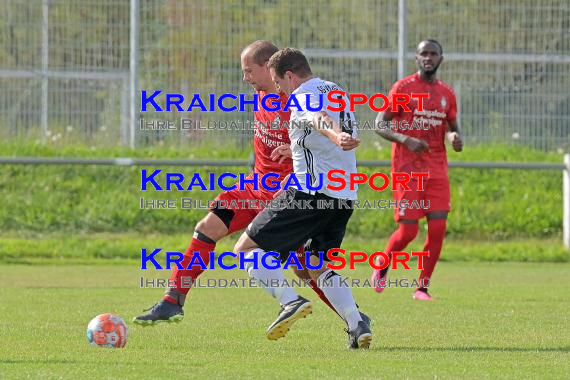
298 218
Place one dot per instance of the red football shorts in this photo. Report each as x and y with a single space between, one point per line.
243 214
436 192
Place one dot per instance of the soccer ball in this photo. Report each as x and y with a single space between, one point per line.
107 330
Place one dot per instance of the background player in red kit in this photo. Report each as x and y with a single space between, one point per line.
422 150
273 155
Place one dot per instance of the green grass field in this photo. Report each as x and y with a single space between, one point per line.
490 320
69 246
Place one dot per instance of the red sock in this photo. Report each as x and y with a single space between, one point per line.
195 271
321 295
400 239
433 244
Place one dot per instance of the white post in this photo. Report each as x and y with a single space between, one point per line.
134 69
457 88
185 90
402 38
124 120
566 201
45 63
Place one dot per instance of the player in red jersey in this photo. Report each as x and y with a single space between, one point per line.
273 155
421 149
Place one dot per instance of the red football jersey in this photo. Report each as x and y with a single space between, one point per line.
439 109
270 135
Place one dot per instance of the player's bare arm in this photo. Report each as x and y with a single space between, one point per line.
412 143
281 153
281 186
454 136
336 135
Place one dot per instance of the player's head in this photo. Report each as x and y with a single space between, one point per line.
254 60
429 55
289 68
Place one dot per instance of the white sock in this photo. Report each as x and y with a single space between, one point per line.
264 277
340 296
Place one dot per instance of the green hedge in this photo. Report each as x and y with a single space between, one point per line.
487 203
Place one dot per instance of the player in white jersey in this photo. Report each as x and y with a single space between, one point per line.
283 229
314 150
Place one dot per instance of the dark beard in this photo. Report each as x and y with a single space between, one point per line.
430 72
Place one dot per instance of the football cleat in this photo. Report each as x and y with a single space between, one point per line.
366 319
422 295
161 312
360 337
379 276
288 315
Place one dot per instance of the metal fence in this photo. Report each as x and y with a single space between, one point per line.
65 64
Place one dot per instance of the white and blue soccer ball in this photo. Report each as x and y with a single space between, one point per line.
107 330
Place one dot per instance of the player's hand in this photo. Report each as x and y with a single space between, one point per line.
346 141
455 141
416 145
283 182
281 153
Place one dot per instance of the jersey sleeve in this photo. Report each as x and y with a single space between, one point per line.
344 118
452 113
315 102
396 89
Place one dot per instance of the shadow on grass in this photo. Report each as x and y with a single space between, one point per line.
40 361
473 349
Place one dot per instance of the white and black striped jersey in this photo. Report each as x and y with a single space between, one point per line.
313 153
